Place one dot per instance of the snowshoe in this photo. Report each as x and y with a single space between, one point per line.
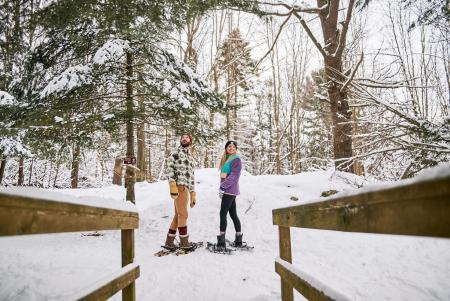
214 248
242 247
165 251
194 246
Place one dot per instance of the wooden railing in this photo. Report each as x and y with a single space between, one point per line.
420 208
25 215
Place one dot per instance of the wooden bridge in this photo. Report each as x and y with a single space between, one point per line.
26 215
418 208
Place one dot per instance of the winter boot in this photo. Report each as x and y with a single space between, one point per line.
238 240
169 242
184 242
221 241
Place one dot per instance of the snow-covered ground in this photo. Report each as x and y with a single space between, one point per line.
358 266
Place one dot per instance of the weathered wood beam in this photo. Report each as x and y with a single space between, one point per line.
302 286
418 208
108 287
25 215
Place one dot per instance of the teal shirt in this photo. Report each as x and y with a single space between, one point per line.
226 168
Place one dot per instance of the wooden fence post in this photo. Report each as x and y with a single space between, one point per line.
287 292
129 292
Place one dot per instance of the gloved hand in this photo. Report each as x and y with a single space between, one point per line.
193 198
173 189
221 194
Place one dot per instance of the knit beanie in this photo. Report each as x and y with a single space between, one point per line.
230 142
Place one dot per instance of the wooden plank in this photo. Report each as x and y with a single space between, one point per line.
302 286
108 287
24 215
416 209
127 238
284 236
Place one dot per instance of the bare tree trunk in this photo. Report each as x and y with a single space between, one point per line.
56 174
130 171
117 176
149 178
31 172
41 180
102 167
276 115
75 166
21 175
334 40
50 174
2 169
141 164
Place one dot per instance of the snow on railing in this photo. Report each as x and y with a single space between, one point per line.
37 211
418 206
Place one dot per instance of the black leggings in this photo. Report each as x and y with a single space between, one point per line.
229 204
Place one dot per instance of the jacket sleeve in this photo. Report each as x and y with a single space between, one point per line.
234 175
170 170
192 182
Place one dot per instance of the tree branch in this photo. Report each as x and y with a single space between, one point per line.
343 34
275 40
349 80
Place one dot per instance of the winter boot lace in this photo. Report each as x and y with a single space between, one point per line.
221 240
238 240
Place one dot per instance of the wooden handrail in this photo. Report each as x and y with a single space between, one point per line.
33 215
107 287
25 215
421 208
416 208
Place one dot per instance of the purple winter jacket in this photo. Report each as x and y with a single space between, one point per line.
230 184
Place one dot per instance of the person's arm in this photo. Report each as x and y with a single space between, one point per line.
170 170
233 177
192 182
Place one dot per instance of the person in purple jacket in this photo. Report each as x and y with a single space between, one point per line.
230 171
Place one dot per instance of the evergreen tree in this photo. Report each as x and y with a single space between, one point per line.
317 124
237 67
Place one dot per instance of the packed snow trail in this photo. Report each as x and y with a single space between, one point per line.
358 266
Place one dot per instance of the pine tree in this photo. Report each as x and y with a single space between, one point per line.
237 67
317 122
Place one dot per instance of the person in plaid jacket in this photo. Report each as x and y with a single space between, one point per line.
180 173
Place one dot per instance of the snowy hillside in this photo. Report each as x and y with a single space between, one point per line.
358 266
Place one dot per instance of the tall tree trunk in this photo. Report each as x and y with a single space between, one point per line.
141 164
31 172
341 119
102 167
40 182
335 39
276 115
75 166
141 156
149 152
130 171
56 174
117 176
21 175
2 169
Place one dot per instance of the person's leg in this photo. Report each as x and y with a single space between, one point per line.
234 216
172 228
182 203
174 224
224 208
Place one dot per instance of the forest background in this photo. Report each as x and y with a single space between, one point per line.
358 86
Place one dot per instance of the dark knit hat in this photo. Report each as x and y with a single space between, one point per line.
231 142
